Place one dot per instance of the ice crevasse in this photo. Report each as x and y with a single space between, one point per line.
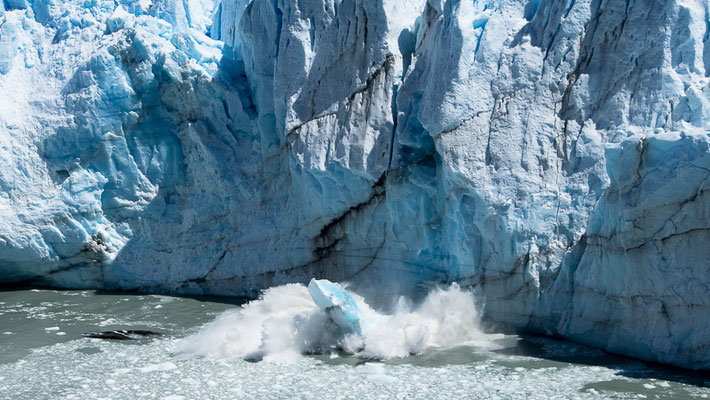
553 156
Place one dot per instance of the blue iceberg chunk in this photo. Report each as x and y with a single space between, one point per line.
341 305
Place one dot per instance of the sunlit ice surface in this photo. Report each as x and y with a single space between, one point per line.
42 353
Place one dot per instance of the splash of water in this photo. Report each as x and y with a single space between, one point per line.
285 323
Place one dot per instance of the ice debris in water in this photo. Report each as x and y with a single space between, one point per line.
290 320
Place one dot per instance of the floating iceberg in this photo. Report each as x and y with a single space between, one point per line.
349 312
338 303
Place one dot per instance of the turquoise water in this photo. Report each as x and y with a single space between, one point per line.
44 356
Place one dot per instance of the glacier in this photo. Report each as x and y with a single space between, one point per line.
553 156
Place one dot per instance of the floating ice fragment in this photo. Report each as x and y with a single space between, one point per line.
377 374
166 366
338 303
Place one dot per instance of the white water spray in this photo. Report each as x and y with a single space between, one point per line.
285 323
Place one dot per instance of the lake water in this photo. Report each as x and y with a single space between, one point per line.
44 356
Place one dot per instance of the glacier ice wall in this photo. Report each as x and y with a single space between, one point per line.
553 156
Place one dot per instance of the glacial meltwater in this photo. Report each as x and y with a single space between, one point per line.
283 347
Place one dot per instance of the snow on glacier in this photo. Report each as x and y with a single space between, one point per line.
549 155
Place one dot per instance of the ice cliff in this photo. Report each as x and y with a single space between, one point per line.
552 155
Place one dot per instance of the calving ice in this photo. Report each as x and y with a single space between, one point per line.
347 311
550 156
324 318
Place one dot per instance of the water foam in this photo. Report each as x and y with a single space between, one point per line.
285 323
